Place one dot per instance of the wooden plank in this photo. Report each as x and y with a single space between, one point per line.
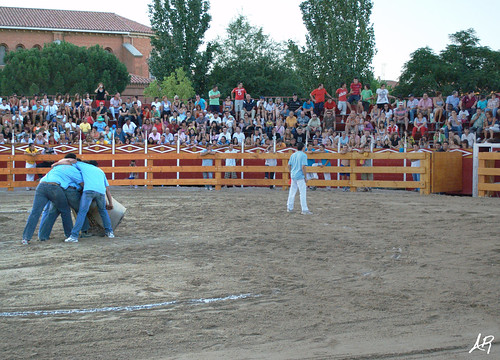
328 183
481 179
489 155
390 184
387 170
252 169
489 187
489 171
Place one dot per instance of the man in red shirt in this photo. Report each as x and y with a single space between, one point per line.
355 93
238 95
342 104
318 97
392 127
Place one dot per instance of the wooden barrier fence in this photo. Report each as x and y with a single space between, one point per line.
218 169
487 173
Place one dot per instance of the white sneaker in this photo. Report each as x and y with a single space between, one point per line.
110 235
71 239
306 212
25 242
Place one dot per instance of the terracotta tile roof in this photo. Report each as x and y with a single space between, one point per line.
68 20
139 80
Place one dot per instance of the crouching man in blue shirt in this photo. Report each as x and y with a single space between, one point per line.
51 188
95 187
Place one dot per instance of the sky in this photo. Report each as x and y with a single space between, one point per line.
400 26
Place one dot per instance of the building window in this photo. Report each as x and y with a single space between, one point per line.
36 46
20 47
109 50
3 52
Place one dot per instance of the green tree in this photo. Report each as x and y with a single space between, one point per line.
340 43
178 83
463 65
62 68
179 26
247 54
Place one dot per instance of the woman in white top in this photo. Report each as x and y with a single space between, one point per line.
270 107
383 96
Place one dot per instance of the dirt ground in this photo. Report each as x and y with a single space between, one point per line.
382 275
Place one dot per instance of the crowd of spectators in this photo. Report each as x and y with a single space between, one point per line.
353 117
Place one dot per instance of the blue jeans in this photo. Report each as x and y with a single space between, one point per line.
416 177
44 193
208 175
50 214
412 113
85 201
456 129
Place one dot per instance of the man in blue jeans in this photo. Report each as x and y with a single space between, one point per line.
51 189
73 195
95 187
297 167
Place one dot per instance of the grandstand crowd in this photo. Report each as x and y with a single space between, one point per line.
353 116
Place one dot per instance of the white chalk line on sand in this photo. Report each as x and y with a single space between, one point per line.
126 308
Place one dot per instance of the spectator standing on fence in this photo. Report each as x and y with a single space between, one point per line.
318 97
297 167
207 162
101 94
214 99
238 95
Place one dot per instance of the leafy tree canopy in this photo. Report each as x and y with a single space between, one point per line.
178 83
62 68
463 65
179 26
340 43
249 55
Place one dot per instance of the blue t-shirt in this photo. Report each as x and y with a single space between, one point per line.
297 160
100 125
202 103
94 178
307 106
64 175
206 162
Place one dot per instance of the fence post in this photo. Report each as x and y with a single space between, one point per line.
13 164
10 160
218 177
353 178
427 175
481 178
113 152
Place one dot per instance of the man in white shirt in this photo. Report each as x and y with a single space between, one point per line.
4 107
155 135
129 128
51 110
169 138
239 135
230 162
114 105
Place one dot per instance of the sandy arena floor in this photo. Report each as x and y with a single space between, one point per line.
383 275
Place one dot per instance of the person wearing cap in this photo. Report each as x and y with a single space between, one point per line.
51 188
99 125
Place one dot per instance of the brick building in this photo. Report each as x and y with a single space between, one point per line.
127 39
